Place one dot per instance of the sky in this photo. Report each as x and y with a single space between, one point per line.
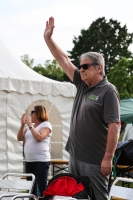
22 22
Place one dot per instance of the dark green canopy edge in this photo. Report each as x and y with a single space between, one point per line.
126 110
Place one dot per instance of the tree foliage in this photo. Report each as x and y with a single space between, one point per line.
107 37
121 75
52 70
29 62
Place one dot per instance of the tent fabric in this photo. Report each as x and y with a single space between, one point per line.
36 86
20 89
13 73
126 110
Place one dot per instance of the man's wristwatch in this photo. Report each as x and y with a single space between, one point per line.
31 127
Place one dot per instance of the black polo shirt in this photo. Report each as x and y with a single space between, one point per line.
93 109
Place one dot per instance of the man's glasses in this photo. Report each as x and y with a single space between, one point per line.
33 111
86 66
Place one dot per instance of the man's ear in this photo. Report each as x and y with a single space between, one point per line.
100 69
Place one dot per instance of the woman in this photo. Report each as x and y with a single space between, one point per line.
36 138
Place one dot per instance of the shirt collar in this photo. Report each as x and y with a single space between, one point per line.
101 83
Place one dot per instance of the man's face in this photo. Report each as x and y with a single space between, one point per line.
90 75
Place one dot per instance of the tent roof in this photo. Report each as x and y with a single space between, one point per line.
126 110
16 76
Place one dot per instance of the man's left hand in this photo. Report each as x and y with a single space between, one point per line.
106 166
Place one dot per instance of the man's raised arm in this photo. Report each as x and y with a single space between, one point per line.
56 51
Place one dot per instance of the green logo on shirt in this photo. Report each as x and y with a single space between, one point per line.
93 97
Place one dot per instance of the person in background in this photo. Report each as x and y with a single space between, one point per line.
35 132
95 119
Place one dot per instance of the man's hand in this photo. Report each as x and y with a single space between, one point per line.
112 140
59 55
106 166
49 28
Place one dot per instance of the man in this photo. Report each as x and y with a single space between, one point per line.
95 120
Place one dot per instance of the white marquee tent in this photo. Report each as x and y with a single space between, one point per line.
20 89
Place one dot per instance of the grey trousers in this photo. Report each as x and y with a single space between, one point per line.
98 181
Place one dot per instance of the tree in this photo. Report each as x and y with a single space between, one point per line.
121 75
106 37
27 61
52 70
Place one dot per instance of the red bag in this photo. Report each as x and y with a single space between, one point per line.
66 184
